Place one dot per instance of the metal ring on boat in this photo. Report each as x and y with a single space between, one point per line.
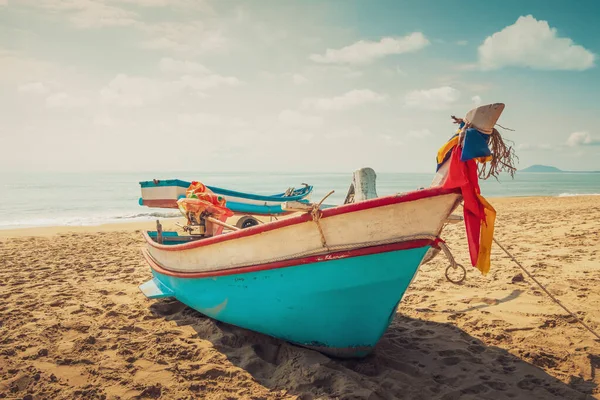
453 264
456 266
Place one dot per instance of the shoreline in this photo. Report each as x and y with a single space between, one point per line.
170 222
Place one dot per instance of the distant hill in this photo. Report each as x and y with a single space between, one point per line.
541 168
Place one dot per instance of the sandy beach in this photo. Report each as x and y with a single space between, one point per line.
73 323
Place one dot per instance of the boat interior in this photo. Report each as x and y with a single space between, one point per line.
172 237
203 225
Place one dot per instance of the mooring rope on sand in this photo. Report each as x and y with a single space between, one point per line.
546 290
593 332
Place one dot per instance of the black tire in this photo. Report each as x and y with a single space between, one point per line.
246 222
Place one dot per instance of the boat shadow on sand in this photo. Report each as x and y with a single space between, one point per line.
415 359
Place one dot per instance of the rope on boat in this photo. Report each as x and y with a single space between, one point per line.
316 213
316 216
547 292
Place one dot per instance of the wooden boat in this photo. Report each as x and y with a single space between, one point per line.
165 193
328 279
331 283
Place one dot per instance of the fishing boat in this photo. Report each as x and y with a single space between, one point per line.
331 282
165 193
327 279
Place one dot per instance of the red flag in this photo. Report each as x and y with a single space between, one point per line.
463 175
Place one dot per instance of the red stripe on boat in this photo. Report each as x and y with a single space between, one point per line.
413 244
168 203
173 204
329 212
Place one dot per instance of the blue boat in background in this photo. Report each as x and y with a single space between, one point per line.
165 193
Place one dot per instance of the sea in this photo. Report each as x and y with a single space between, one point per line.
30 199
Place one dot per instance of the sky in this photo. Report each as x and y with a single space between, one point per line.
294 86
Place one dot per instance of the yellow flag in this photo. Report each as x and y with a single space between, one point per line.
486 236
449 145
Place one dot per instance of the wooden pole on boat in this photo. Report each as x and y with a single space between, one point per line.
159 236
223 224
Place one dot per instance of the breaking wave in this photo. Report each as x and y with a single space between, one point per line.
578 194
87 220
156 214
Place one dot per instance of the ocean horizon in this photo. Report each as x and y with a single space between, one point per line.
36 199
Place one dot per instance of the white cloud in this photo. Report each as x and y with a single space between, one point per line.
348 100
364 51
3 2
197 76
476 100
582 138
344 133
103 120
86 14
295 118
200 120
400 71
64 100
33 88
419 133
191 4
99 13
203 82
530 147
321 71
391 140
19 68
467 67
462 42
188 38
203 120
135 91
171 65
433 99
299 79
145 3
534 44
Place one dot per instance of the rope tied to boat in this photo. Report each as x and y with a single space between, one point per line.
316 214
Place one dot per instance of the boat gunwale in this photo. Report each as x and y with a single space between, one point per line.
292 262
278 197
305 217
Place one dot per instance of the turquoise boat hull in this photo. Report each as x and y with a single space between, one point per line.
340 307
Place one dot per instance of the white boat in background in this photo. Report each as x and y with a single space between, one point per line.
165 193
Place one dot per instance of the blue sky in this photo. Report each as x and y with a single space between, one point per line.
291 86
